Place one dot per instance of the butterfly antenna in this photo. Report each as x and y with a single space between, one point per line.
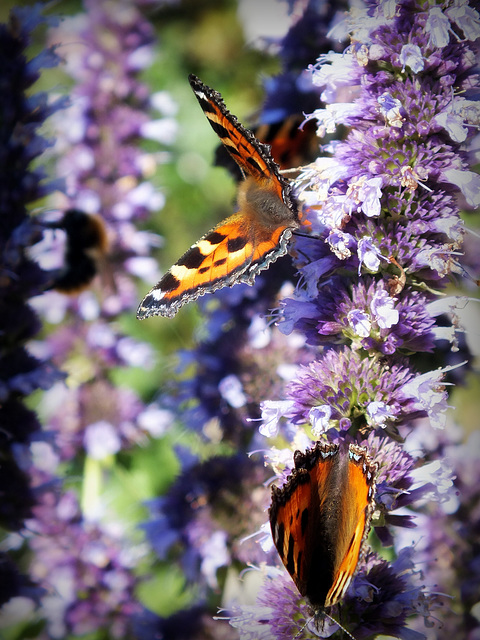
340 625
304 234
304 626
286 172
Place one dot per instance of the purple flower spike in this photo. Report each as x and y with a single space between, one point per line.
385 211
22 115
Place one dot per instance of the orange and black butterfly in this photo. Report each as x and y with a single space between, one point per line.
247 241
320 519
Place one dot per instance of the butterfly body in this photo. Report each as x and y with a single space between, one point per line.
247 241
320 519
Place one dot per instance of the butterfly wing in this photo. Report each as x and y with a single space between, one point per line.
293 141
253 157
297 512
233 251
356 500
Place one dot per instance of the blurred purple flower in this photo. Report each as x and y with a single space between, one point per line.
89 568
22 183
98 564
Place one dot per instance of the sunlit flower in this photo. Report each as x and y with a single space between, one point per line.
387 232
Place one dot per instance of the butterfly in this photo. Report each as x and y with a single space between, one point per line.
86 245
244 243
320 519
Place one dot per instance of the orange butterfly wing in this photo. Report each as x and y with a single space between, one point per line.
246 242
252 156
354 523
292 510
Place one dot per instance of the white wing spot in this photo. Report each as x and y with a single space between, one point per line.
179 271
205 247
158 294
